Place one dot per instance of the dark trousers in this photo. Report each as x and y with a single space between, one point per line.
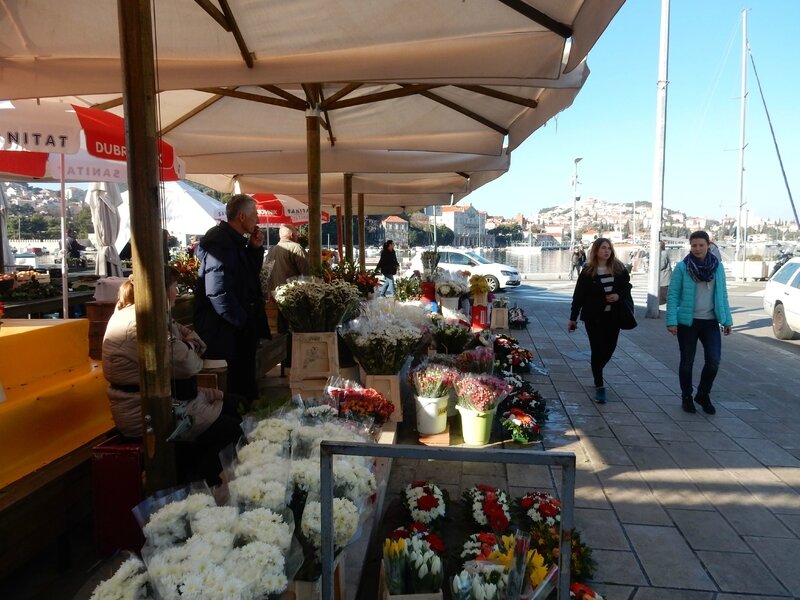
200 459
707 332
242 368
603 333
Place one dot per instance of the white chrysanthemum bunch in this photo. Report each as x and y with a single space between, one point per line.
252 491
214 518
352 479
322 411
211 584
265 466
169 525
130 582
264 525
272 430
171 568
259 448
345 522
259 566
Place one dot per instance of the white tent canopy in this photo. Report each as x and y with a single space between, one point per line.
186 211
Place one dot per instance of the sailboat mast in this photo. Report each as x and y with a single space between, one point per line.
742 121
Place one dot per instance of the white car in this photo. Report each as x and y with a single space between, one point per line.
782 300
497 275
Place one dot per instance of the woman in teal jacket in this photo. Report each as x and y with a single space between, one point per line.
697 306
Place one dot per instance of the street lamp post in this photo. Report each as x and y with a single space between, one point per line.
574 199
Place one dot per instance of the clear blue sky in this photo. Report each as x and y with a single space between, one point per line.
611 124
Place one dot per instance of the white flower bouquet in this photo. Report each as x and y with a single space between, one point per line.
265 525
165 521
425 501
130 581
252 491
311 305
381 346
451 287
345 523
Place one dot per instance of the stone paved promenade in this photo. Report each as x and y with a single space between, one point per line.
675 505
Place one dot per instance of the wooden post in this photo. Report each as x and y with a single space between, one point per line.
339 241
138 74
362 248
314 190
348 217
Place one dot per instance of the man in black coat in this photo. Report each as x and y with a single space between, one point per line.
229 310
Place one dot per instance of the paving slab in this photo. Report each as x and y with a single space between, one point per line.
740 573
600 529
780 557
707 530
650 593
621 568
667 558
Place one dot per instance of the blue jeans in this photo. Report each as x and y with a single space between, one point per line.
707 331
387 287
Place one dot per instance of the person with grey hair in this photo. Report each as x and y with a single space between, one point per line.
285 260
229 311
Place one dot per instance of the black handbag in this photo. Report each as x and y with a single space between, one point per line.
625 314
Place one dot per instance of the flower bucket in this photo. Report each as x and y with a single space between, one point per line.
427 291
448 305
476 427
431 415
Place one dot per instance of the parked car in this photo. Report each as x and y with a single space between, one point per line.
497 275
782 300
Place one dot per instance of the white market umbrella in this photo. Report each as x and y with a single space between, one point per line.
185 211
104 202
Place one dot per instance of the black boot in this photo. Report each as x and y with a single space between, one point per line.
705 403
687 405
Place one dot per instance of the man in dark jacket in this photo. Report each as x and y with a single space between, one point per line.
229 310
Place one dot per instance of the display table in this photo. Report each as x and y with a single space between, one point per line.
24 309
53 396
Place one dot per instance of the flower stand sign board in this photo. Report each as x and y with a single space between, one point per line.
314 356
499 318
389 386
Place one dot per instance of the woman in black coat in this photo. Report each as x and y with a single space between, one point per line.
387 265
602 288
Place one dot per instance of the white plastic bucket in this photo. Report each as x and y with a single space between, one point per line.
431 415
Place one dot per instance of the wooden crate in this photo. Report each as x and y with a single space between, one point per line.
308 388
385 595
98 314
389 386
314 356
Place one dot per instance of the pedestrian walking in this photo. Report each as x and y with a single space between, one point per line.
603 286
697 307
577 261
387 265
664 274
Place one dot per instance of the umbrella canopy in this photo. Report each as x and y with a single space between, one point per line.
104 202
277 209
185 211
73 48
35 135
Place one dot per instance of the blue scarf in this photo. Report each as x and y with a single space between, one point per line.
701 270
